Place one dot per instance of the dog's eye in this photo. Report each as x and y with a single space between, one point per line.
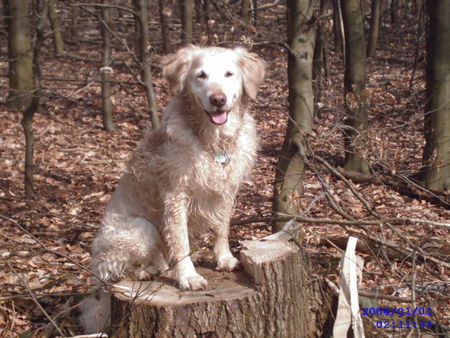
202 75
229 74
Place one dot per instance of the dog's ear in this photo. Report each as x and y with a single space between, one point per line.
175 68
253 71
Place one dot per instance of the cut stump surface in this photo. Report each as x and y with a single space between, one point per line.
274 296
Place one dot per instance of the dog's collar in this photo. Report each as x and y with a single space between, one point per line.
221 157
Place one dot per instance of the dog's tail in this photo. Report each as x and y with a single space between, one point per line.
96 312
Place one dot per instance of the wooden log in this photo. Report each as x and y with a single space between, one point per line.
275 296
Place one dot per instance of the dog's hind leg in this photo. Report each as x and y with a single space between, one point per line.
124 242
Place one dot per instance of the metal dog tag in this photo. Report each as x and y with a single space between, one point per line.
221 158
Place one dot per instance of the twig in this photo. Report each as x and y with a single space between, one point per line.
125 9
25 283
378 295
360 198
268 6
347 182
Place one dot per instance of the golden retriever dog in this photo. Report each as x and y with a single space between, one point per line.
182 180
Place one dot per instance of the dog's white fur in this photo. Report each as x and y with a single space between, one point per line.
183 178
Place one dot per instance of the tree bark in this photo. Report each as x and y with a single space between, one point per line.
374 27
355 83
436 155
187 12
107 115
281 299
54 24
20 54
144 56
290 168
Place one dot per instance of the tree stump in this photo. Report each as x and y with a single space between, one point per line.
275 296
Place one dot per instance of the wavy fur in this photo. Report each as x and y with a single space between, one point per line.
175 189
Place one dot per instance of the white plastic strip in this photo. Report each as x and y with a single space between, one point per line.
348 305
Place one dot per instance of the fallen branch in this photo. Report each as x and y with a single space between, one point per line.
287 217
25 283
406 252
379 295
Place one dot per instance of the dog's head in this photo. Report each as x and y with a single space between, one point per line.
216 78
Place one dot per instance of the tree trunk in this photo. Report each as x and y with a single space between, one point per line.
33 105
122 20
165 32
320 50
74 16
290 168
255 12
107 115
20 54
245 10
54 23
27 125
395 11
205 20
355 82
337 28
144 56
187 12
375 22
275 297
436 155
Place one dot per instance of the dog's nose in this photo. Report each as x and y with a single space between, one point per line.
218 99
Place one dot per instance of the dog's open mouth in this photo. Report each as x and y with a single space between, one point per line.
219 117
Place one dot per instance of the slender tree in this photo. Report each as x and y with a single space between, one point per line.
205 19
23 46
395 11
106 70
74 18
144 56
20 54
436 155
164 19
187 13
374 27
54 23
337 27
355 83
290 168
320 49
245 10
255 11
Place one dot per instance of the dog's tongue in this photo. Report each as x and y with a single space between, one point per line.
220 117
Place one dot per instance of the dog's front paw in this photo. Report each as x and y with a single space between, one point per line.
227 263
192 282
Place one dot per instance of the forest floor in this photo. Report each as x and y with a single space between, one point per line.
44 243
